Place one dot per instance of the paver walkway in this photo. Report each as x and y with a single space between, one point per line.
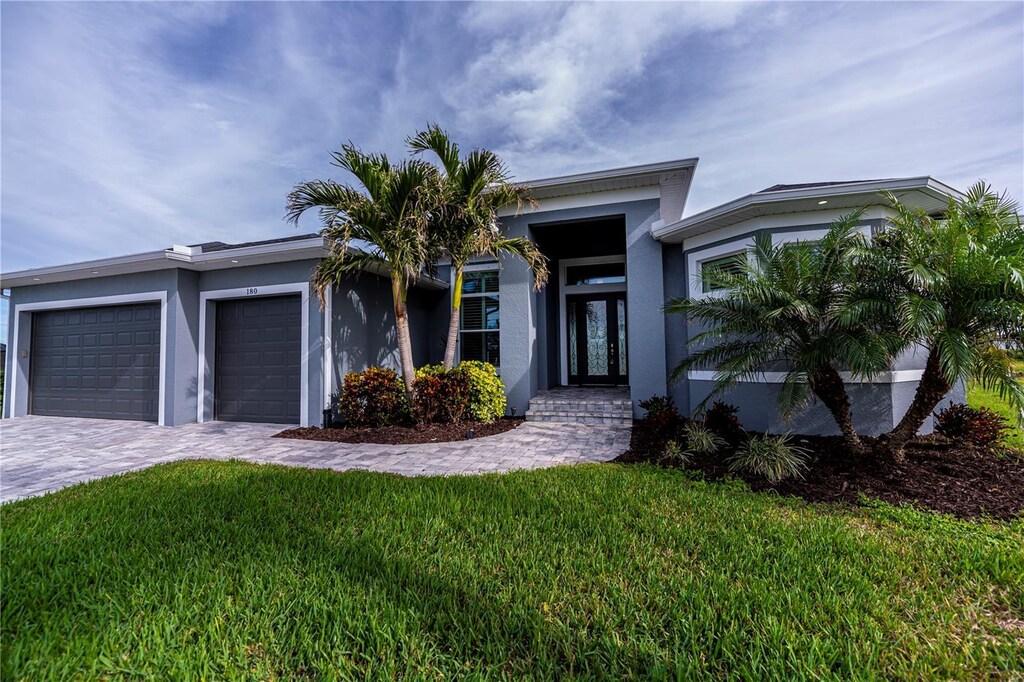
41 454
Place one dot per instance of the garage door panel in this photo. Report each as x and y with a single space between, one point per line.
258 360
257 367
96 362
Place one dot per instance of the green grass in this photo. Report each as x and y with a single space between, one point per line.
229 570
980 397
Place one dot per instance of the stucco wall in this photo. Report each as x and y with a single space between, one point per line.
674 268
525 314
364 326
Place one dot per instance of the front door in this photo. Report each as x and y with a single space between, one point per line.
597 339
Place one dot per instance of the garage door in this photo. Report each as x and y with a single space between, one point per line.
258 359
96 362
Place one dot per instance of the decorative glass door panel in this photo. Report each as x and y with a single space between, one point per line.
596 337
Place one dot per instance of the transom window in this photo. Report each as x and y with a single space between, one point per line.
732 264
597 273
479 320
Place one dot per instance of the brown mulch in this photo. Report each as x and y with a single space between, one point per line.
404 435
937 475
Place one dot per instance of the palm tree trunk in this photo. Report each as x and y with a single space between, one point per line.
453 323
829 387
932 388
404 338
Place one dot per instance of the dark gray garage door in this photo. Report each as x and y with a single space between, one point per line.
258 360
96 362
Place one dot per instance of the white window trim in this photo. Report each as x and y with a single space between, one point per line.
695 263
91 302
569 290
207 365
489 266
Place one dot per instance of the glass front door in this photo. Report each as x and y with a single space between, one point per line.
597 339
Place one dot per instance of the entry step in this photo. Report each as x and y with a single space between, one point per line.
580 405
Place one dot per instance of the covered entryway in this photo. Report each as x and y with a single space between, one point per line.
101 362
583 336
258 360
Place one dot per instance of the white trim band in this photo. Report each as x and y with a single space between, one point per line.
898 376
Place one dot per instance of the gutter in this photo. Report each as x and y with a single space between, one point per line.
183 257
923 183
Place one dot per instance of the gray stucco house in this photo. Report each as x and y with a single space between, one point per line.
231 332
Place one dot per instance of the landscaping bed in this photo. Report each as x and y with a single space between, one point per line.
404 435
937 475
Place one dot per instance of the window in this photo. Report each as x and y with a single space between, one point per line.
813 246
479 317
598 273
733 264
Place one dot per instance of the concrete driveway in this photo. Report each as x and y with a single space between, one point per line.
42 454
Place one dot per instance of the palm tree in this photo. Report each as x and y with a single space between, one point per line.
791 310
466 224
956 286
381 227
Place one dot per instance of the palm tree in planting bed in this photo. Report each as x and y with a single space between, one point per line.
955 286
466 217
390 215
791 310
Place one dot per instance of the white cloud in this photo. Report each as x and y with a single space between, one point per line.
789 92
109 147
547 71
129 127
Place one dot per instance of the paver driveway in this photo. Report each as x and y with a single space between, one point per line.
41 454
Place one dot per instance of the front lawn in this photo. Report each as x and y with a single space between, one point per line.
231 570
980 397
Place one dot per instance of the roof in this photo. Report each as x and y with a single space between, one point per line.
626 177
206 256
923 191
210 247
806 185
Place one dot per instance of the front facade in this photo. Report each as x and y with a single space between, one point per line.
232 332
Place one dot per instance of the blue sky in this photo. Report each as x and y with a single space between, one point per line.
130 127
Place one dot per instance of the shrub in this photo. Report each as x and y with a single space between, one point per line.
661 424
486 391
977 425
770 456
374 397
700 440
677 454
442 397
721 418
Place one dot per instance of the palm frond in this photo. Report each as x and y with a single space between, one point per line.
436 140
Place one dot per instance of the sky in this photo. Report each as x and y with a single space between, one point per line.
127 127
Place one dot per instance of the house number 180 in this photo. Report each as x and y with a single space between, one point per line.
251 291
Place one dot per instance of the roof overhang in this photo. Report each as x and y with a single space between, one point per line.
924 192
628 177
186 258
668 180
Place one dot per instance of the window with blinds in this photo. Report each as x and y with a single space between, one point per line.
480 317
